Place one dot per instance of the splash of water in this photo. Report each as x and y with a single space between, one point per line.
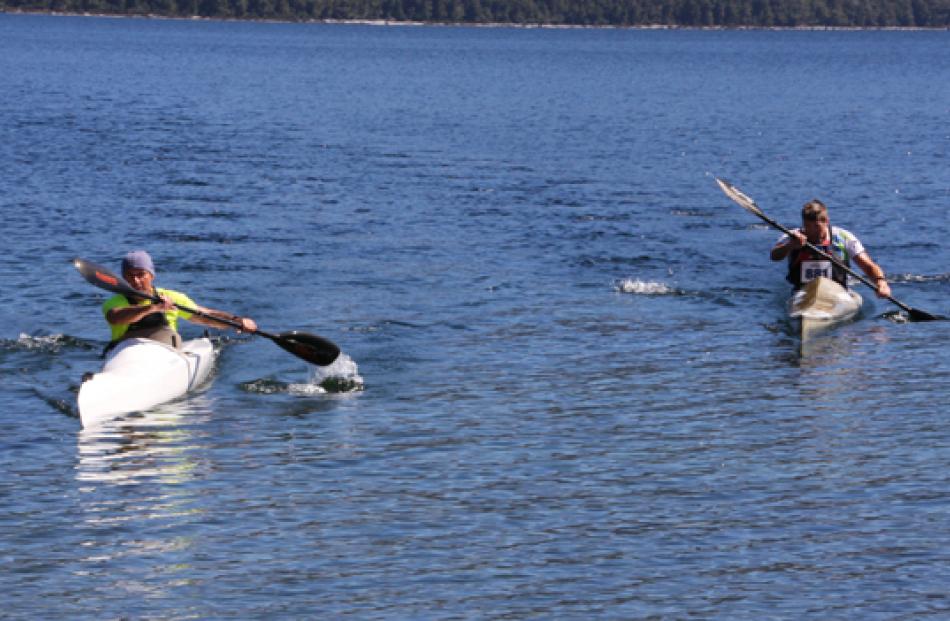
896 316
51 343
341 376
264 386
919 278
630 285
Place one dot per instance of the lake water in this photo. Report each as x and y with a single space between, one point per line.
567 390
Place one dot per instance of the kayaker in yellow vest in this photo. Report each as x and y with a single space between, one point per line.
144 319
817 230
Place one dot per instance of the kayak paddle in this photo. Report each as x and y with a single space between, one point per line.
310 347
744 201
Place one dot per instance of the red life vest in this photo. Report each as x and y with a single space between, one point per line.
805 265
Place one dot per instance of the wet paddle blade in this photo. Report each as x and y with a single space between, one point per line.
310 347
915 314
739 197
103 278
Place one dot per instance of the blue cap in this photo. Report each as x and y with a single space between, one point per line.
138 259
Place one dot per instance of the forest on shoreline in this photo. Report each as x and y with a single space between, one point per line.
623 13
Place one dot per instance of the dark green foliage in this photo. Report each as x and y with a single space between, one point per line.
695 13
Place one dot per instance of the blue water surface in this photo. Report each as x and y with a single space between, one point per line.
567 389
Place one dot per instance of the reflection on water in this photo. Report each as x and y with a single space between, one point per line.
139 474
825 349
839 362
149 446
840 343
531 442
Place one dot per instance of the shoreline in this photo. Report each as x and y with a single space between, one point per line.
526 26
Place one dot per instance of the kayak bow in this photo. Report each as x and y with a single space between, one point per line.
140 374
821 305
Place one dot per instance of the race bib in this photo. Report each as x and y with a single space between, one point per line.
813 269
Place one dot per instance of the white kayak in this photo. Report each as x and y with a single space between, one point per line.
140 374
822 304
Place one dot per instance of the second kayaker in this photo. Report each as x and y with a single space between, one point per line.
143 318
804 265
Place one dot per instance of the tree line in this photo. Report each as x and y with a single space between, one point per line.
685 13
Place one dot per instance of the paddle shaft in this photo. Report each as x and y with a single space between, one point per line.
309 347
120 286
834 260
749 205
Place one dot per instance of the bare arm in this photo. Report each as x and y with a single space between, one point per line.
874 272
130 314
247 324
781 249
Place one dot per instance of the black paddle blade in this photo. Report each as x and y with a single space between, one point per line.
915 314
103 278
310 347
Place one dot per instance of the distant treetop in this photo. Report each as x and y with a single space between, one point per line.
685 13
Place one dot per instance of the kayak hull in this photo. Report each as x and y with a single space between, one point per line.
821 305
140 374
